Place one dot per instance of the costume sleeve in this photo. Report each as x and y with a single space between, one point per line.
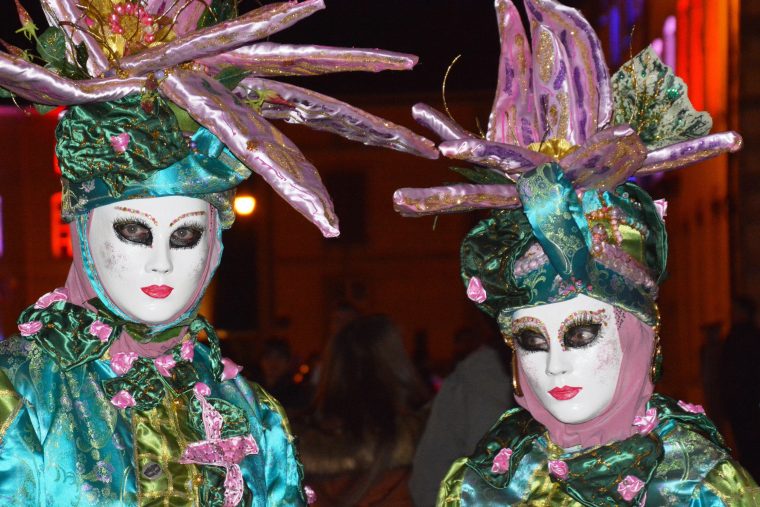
450 494
21 460
284 470
728 484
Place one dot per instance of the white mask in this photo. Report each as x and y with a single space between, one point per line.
571 355
150 254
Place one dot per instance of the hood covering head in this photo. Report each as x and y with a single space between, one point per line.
83 283
633 390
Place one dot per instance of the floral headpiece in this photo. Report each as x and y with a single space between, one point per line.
138 73
562 141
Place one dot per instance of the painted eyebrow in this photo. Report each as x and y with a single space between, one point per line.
138 213
186 215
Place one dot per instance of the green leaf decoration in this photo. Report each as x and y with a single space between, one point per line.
5 94
43 108
231 76
51 46
481 176
185 121
649 97
81 55
218 11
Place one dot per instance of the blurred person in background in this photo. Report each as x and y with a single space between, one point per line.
358 443
739 386
277 372
470 400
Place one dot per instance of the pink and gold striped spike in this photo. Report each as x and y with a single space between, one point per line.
314 110
222 37
418 202
256 143
513 117
443 126
266 59
570 74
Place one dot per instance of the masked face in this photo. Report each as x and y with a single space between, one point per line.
150 254
571 355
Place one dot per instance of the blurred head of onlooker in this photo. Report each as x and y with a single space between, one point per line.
367 379
277 375
343 313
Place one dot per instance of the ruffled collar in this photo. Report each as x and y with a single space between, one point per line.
613 474
74 335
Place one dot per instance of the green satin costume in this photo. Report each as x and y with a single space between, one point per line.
63 443
682 461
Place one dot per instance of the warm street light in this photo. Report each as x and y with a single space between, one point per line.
244 204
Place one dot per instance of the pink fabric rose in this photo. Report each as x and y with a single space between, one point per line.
121 362
164 364
661 206
647 422
231 369
475 290
59 294
690 407
311 495
558 469
123 400
119 143
187 352
202 389
101 330
629 487
30 328
501 461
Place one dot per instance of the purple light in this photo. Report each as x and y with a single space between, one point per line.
614 25
658 46
669 35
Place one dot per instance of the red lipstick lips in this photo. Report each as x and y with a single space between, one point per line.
158 291
565 392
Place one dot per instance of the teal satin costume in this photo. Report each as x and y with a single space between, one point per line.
63 442
682 461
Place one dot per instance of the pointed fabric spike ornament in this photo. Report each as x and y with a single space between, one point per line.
205 63
563 138
555 97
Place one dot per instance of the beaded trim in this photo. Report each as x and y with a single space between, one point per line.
186 215
615 259
533 259
139 213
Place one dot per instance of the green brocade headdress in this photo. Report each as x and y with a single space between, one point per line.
174 98
562 142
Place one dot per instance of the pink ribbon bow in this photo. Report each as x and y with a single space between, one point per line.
221 452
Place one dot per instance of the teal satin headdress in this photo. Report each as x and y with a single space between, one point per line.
119 150
610 245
